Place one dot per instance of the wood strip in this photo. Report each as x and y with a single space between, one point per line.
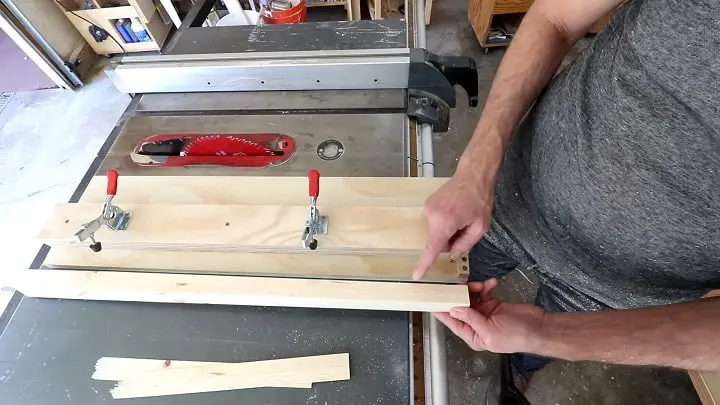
308 264
329 367
428 11
238 290
143 389
267 190
146 377
707 386
384 230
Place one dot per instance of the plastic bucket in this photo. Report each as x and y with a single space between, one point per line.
296 14
246 17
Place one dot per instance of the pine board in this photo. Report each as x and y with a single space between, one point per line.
306 264
150 377
249 228
707 385
239 290
267 190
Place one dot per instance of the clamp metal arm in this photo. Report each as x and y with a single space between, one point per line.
316 224
112 216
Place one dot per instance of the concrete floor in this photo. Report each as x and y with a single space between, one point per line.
48 138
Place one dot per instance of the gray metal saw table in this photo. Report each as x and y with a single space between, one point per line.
48 348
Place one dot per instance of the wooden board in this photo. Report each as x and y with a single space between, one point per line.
355 10
238 290
264 190
145 9
248 228
172 12
480 16
375 9
104 18
308 264
707 384
149 377
511 6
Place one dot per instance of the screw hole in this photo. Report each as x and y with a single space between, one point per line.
67 221
208 83
465 268
227 223
318 81
375 80
464 258
262 81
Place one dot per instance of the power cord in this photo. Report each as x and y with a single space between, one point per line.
92 24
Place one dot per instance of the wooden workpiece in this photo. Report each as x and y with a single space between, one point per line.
238 290
308 264
248 228
150 377
706 383
264 190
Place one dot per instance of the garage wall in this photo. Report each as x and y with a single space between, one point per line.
52 24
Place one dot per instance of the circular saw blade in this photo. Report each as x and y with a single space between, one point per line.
224 145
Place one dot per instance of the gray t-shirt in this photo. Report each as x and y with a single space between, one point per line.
612 183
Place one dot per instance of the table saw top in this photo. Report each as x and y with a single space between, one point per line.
49 347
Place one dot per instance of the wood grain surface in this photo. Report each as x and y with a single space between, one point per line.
264 190
306 264
248 228
239 290
156 377
512 6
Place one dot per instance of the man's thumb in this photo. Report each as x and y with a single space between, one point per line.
469 316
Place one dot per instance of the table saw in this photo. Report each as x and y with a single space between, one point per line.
367 86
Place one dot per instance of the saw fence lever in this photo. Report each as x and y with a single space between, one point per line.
111 217
316 224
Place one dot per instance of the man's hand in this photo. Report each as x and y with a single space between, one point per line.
493 325
458 215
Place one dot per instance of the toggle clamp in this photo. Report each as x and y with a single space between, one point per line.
316 224
111 217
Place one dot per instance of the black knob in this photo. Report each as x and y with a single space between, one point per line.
96 247
313 244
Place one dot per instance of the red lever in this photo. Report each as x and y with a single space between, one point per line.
112 176
314 177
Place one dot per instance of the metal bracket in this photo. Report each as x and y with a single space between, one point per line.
425 108
431 82
111 217
316 224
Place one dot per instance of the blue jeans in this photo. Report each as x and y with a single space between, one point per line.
487 261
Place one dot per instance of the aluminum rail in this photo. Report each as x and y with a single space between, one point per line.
435 350
266 71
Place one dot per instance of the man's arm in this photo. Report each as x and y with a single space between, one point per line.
680 335
460 210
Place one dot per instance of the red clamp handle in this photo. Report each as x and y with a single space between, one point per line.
112 176
314 177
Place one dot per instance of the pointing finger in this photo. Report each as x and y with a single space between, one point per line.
438 237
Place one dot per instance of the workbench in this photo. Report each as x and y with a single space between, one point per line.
49 347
